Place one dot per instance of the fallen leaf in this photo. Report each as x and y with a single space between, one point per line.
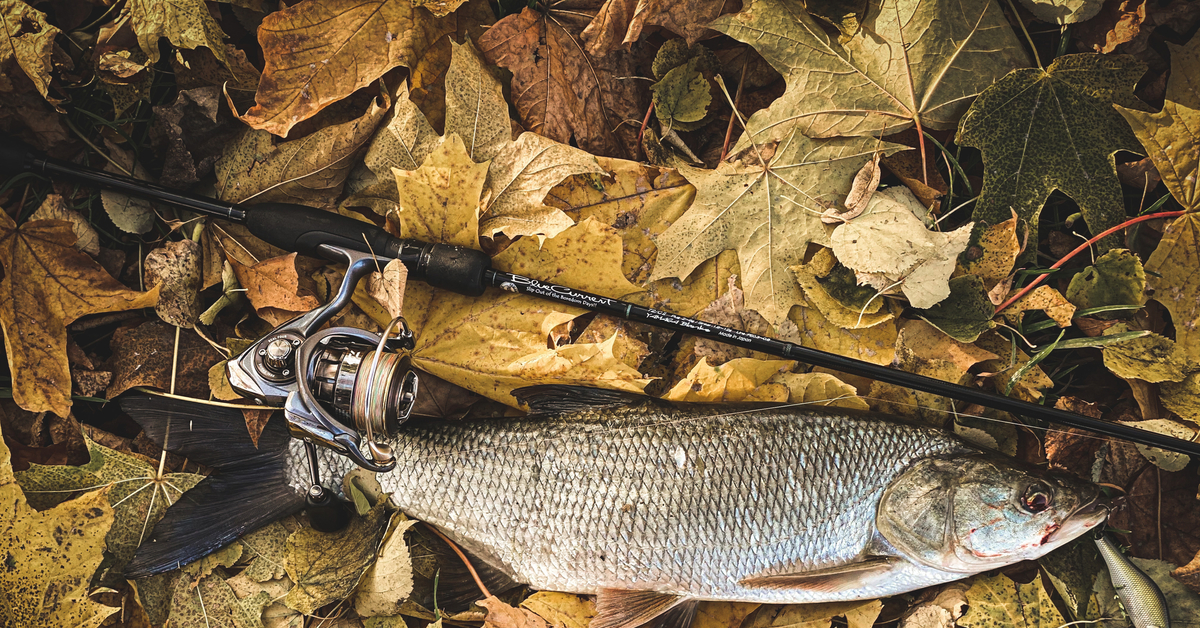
559 90
966 313
209 601
1116 279
518 180
185 23
638 200
190 135
1171 137
318 52
439 202
388 287
1022 123
998 601
927 408
475 107
1072 570
1032 382
28 45
481 343
309 170
943 611
992 253
131 214
926 184
726 383
274 289
51 557
276 614
561 610
723 614
1045 299
833 289
1174 278
768 213
910 63
875 344
146 356
501 615
1152 358
176 267
139 497
1163 459
1183 398
326 567
728 310
53 208
1189 574
891 245
1160 509
682 97
860 614
48 284
404 143
1118 22
388 582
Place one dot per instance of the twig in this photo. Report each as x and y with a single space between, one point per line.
463 557
642 131
1083 247
737 97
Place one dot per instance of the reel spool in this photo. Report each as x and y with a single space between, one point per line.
375 403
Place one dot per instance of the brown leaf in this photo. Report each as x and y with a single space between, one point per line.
907 167
176 267
558 89
318 52
1161 510
274 289
1189 574
189 135
501 615
53 208
146 356
48 284
1118 22
28 42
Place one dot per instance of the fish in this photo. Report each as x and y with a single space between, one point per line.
651 506
1143 601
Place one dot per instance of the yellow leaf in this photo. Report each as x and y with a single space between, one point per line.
857 614
1152 358
1173 273
561 610
501 615
47 285
875 344
518 181
925 341
475 107
593 364
1172 136
273 287
50 557
833 289
728 382
186 23
388 582
991 257
820 389
439 202
28 43
638 200
1046 299
480 343
318 52
328 566
999 601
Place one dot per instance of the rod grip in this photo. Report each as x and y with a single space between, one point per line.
305 229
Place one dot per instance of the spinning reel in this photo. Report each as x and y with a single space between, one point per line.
342 388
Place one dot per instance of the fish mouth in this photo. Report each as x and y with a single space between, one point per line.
1087 516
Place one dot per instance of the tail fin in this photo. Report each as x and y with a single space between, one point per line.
247 490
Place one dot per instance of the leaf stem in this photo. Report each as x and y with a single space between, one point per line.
1083 247
733 115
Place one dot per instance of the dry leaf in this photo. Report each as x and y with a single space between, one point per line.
1046 299
874 344
889 246
146 356
53 208
328 566
48 284
1118 22
1165 460
768 213
559 90
388 582
1174 278
274 289
347 45
998 601
561 610
388 287
439 202
992 255
926 342
894 72
28 45
176 268
501 615
729 382
833 289
186 23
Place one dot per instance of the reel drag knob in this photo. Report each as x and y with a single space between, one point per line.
277 355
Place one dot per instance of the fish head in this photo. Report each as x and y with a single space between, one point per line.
979 512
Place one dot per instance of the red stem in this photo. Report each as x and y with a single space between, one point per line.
1096 238
642 131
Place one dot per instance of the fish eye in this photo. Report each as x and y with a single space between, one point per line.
1037 498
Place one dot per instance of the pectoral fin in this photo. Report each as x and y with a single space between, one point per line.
623 608
833 579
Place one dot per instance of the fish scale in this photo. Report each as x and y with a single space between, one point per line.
688 501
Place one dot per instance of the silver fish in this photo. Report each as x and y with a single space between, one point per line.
1143 601
649 505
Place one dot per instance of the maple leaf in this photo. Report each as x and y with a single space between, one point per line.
48 284
49 571
28 44
1171 137
999 601
1054 129
622 21
559 90
347 45
1174 276
768 213
447 178
911 62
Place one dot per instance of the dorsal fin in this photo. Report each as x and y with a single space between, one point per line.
564 399
833 579
625 608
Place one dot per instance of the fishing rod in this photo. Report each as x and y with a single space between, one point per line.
338 238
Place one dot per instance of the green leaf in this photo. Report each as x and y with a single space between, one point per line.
1151 357
139 496
1055 129
327 566
966 313
910 61
682 97
998 602
1117 278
